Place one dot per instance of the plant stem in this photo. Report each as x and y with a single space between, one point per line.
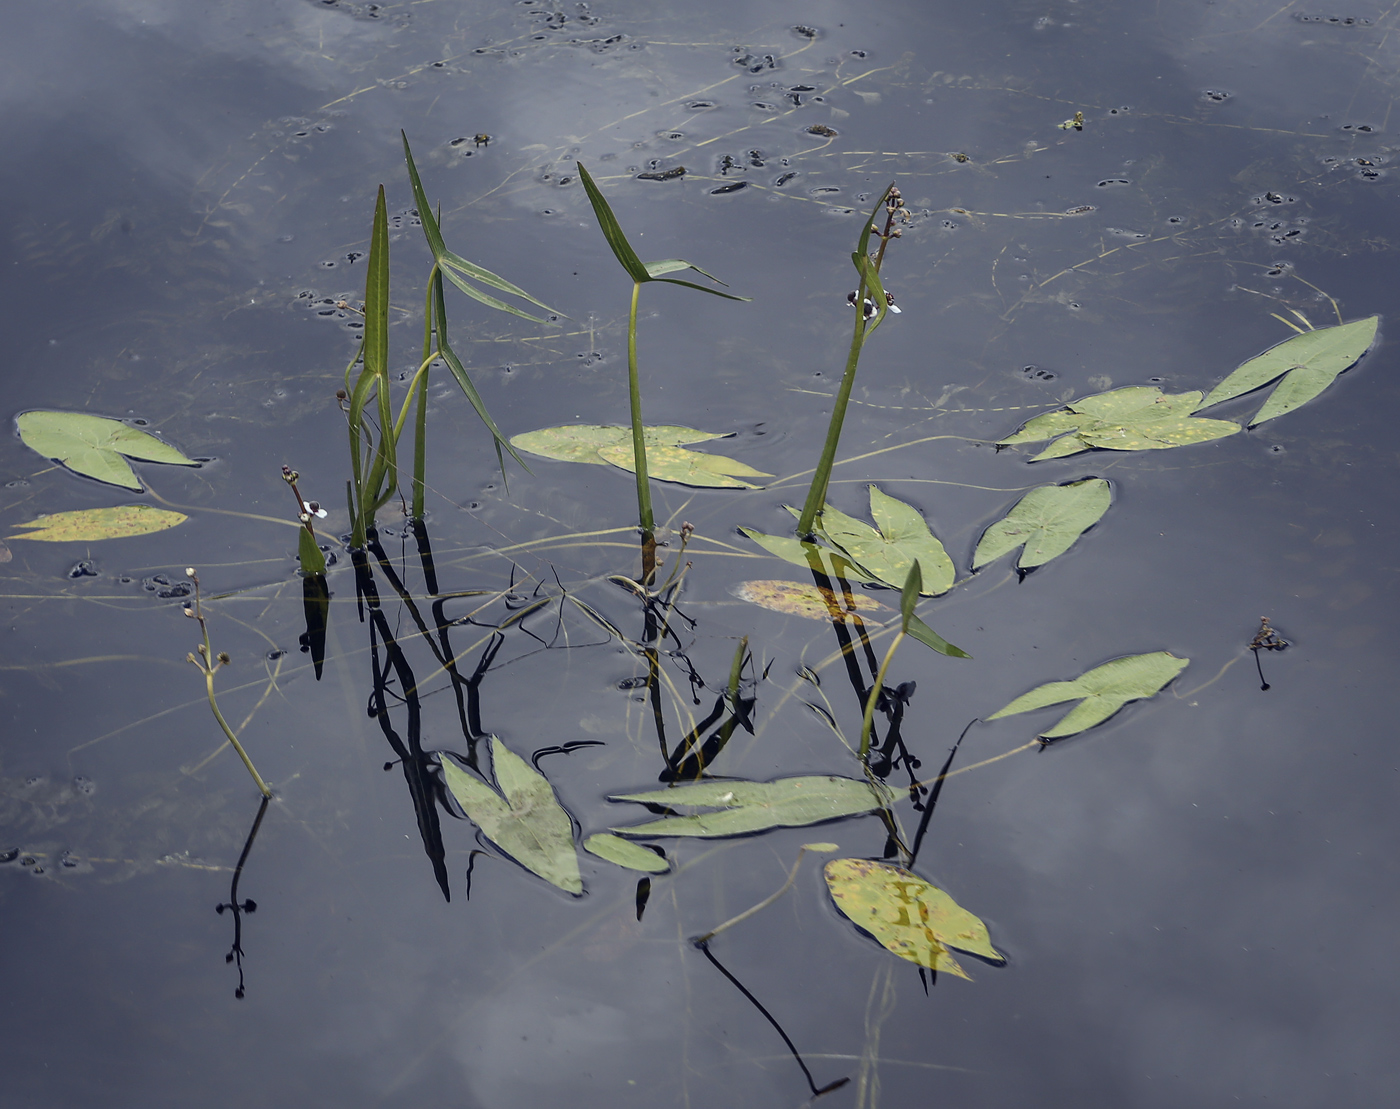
639 446
816 493
420 435
233 739
868 720
792 877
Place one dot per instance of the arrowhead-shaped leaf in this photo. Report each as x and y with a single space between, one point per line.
624 852
901 537
582 442
906 915
528 823
1133 419
93 445
1104 690
1308 364
831 563
756 806
1047 521
90 524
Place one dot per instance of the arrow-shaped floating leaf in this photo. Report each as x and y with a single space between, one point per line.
1104 690
624 852
1308 364
886 551
528 823
831 563
88 525
664 463
1047 520
1139 418
908 916
93 445
756 806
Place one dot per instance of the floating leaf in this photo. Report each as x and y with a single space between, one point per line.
886 554
624 852
908 916
792 599
831 563
712 471
90 524
528 824
1104 689
1138 418
757 806
1047 520
93 445
582 442
1308 364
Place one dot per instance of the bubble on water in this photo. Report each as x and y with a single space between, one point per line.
84 785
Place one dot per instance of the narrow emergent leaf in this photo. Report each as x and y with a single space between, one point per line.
906 915
1308 364
90 524
917 629
624 852
93 445
528 824
612 230
309 554
1047 521
757 806
1139 418
1104 690
792 599
901 537
582 442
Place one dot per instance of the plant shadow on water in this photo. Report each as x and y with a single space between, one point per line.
602 766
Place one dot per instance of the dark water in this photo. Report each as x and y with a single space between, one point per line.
1196 899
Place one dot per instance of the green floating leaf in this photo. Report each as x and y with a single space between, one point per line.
1138 418
711 471
528 823
792 599
1104 689
1047 521
1308 364
831 563
93 445
906 915
624 852
757 806
90 524
886 554
582 442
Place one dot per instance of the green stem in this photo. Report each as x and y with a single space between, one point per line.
868 720
639 446
420 438
816 493
242 754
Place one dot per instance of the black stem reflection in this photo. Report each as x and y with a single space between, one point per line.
933 796
239 908
316 607
792 1047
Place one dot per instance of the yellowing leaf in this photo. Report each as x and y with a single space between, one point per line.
1104 690
93 445
1134 419
581 442
792 599
91 524
665 463
886 552
528 823
906 915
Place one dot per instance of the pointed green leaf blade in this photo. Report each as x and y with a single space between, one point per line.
1048 425
669 463
906 915
1104 691
91 524
1326 349
702 288
309 554
756 806
89 445
612 230
625 853
799 553
1047 521
908 538
926 635
909 596
1297 388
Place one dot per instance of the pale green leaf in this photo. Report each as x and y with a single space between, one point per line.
757 806
581 442
1047 521
90 524
1104 690
309 554
91 445
529 824
887 552
625 853
831 563
710 471
793 599
1132 419
1322 354
906 915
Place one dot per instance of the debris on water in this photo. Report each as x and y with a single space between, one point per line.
734 187
86 786
663 175
823 130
